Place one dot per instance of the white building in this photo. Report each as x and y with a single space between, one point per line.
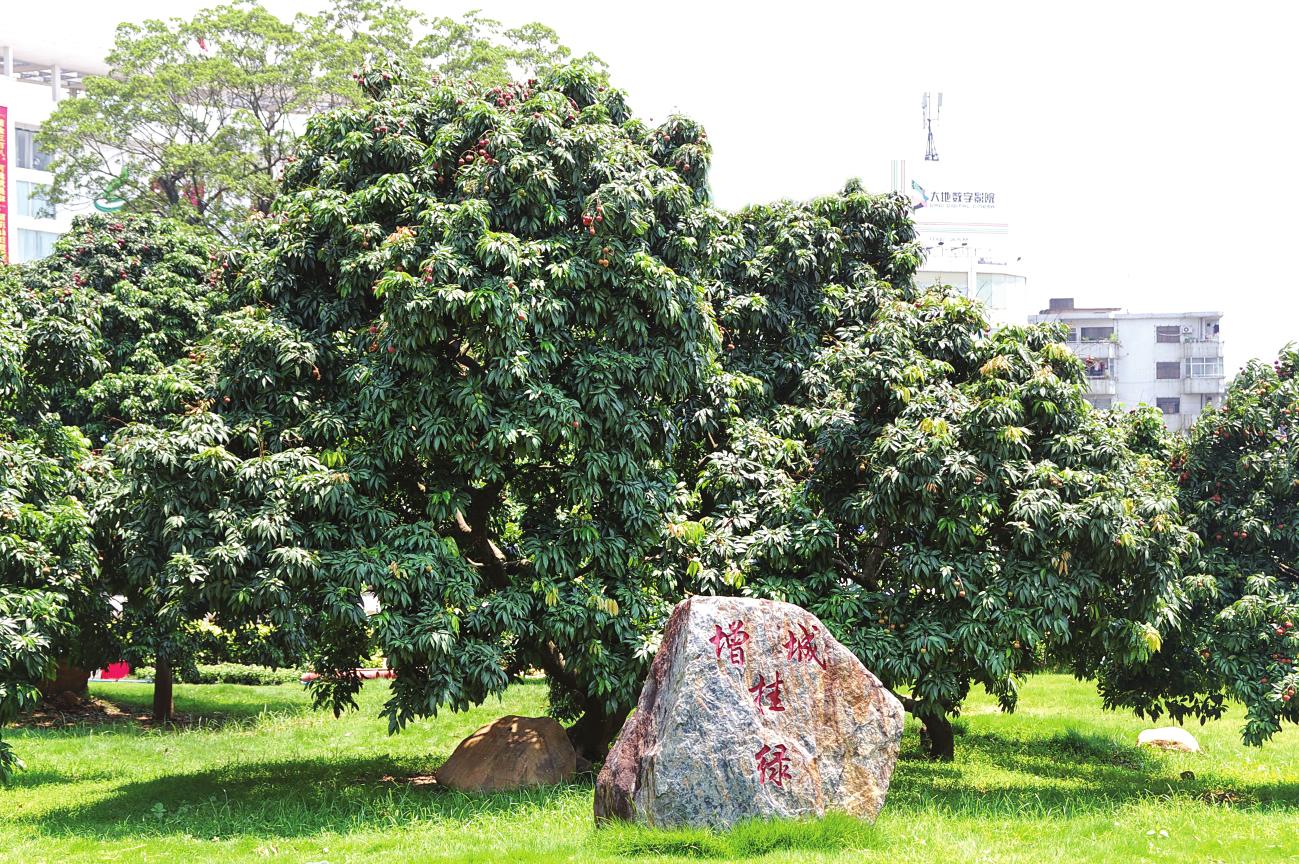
1172 360
962 216
33 78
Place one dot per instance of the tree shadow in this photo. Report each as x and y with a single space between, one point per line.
215 703
290 798
994 777
142 724
33 777
1068 772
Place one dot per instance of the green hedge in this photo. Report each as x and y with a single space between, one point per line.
231 673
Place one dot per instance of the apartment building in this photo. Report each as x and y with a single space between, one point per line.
963 224
33 79
1172 360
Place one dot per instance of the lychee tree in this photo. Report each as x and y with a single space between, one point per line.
939 494
499 298
208 525
52 603
1238 480
120 299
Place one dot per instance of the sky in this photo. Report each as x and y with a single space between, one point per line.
1147 148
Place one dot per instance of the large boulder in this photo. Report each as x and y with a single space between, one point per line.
751 710
511 753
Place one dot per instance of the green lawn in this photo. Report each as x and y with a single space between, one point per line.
269 780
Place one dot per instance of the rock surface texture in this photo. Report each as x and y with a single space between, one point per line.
511 753
751 710
1169 738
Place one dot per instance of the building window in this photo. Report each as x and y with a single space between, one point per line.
1204 367
1169 405
1100 403
31 200
1095 367
1097 334
34 244
1169 370
30 155
1072 335
1168 333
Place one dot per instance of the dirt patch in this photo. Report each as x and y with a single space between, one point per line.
68 710
1228 798
61 711
411 780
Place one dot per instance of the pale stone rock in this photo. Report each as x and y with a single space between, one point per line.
1169 738
751 710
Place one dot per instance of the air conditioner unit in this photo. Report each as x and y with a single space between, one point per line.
1187 330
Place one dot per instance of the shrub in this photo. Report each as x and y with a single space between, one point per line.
232 673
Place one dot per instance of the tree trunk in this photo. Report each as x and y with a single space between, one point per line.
163 706
592 735
937 736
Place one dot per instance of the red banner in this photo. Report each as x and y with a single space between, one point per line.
4 185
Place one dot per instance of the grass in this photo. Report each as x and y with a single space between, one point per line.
260 777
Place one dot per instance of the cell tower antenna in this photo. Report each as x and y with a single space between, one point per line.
931 107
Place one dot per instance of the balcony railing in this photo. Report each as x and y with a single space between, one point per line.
1100 386
1201 347
1102 348
1202 384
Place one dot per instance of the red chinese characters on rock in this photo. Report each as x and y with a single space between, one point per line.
773 765
772 761
732 640
768 693
802 648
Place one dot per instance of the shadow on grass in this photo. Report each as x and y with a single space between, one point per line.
993 777
33 777
285 799
1068 772
214 703
131 712
135 725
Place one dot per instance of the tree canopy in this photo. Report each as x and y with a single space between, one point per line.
474 313
1238 481
120 299
127 335
939 493
198 117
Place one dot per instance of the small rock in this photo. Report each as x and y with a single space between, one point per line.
511 753
751 710
1169 738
